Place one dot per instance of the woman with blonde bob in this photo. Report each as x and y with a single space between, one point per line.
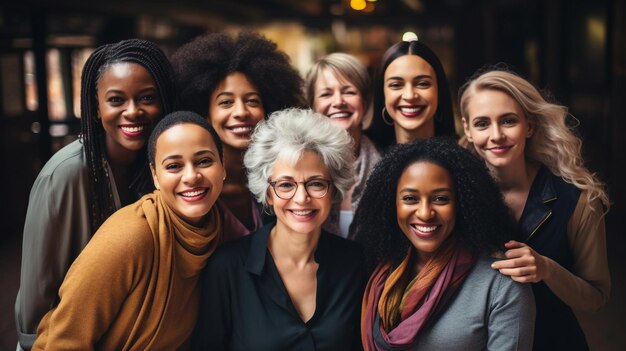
536 160
290 285
338 86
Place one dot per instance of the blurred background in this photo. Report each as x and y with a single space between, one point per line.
576 49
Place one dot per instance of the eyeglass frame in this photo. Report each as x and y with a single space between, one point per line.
272 184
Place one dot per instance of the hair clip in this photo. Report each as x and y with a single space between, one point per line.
409 36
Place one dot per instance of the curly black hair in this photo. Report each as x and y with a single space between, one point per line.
203 63
483 221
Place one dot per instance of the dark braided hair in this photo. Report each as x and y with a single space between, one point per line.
149 56
203 63
383 134
483 221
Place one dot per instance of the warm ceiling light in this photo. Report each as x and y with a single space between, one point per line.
357 4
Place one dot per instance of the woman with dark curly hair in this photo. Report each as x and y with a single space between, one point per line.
236 82
428 221
411 96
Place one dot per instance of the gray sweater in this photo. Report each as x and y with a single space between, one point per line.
488 312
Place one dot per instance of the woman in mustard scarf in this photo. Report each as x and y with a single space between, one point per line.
135 285
428 221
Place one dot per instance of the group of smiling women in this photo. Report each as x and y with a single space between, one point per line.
202 207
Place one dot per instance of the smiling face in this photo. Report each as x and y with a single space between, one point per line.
235 107
302 213
426 207
411 97
498 128
188 171
128 106
340 100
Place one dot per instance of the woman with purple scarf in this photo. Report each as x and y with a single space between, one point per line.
430 221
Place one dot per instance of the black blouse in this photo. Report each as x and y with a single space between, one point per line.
245 306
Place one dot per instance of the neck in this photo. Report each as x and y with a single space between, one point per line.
297 247
404 136
119 157
515 176
233 163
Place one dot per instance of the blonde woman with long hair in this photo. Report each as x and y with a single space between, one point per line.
536 160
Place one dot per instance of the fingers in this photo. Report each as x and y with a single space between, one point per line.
512 244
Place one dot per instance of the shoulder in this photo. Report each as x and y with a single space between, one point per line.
342 251
232 252
368 149
127 230
68 161
501 287
564 190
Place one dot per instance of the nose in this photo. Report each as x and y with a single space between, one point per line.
190 175
408 93
496 133
301 196
132 110
337 99
240 109
424 211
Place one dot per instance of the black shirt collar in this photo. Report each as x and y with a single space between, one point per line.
257 253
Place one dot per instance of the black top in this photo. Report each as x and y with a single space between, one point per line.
245 306
549 207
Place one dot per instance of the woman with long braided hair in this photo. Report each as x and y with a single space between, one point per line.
126 88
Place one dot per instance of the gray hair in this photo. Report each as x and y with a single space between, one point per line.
286 135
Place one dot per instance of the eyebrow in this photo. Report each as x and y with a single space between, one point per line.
506 114
228 93
197 153
416 77
120 91
313 177
438 190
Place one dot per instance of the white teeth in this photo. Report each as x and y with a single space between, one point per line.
133 129
340 115
193 193
242 129
424 229
411 109
302 213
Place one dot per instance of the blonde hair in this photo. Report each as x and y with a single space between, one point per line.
553 143
344 67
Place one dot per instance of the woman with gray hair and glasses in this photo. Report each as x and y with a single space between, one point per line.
290 285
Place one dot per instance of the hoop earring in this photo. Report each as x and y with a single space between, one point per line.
384 114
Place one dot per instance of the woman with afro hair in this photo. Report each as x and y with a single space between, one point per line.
428 221
236 82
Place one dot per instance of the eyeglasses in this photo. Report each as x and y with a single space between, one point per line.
286 189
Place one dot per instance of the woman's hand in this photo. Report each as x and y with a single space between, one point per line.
522 263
